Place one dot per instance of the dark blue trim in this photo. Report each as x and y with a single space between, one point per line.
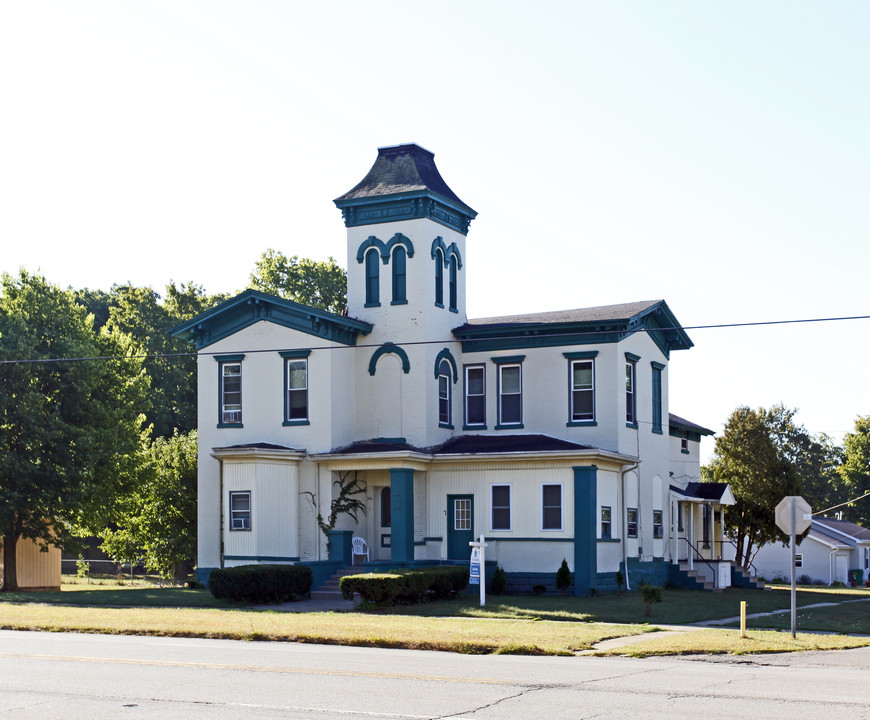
262 558
581 355
608 540
433 539
390 348
398 302
454 250
229 358
397 239
581 423
631 357
657 321
446 426
632 425
474 427
229 425
253 306
445 354
294 353
372 242
516 426
585 529
508 359
385 540
529 539
390 440
437 243
291 423
406 206
402 527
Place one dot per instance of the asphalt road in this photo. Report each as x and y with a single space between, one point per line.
70 676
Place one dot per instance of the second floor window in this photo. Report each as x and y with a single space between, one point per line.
475 395
297 390
452 283
439 278
230 393
444 409
582 390
510 394
630 399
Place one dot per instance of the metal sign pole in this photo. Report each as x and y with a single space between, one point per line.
792 543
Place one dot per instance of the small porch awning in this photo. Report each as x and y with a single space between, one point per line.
702 492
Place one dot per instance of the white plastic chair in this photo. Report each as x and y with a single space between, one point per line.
360 547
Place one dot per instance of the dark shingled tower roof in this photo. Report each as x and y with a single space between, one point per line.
403 169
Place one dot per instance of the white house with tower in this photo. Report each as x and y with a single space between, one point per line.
549 433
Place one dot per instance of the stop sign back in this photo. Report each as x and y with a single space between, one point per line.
802 514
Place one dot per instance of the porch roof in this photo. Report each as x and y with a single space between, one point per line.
719 493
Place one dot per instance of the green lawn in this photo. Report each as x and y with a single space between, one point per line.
119 596
677 607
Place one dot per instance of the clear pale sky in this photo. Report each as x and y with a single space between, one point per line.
714 154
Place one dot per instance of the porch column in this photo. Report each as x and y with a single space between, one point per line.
690 552
585 529
402 525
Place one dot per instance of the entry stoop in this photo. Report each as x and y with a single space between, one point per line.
694 580
744 579
331 590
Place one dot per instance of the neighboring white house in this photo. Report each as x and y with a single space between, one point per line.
548 433
830 550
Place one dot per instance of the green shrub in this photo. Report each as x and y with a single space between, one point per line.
650 594
563 577
406 586
260 583
499 581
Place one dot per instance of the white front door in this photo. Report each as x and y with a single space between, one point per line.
841 568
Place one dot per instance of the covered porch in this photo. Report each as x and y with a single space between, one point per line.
698 543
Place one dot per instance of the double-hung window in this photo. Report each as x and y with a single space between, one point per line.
581 380
500 517
240 510
551 507
295 386
444 409
658 524
657 397
373 278
510 391
399 276
631 516
475 396
229 390
630 389
798 560
605 522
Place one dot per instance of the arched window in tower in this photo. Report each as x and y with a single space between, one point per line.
373 278
444 409
439 278
399 284
452 281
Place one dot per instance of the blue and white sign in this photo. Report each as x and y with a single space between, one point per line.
474 578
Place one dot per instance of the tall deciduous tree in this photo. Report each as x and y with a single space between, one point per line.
158 519
71 431
765 455
319 284
855 470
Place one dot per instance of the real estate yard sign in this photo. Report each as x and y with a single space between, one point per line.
477 573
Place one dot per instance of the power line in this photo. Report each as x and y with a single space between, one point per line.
410 343
848 502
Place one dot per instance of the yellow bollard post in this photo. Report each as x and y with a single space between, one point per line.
743 618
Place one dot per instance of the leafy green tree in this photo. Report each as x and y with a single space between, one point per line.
71 431
765 455
855 470
318 284
158 519
139 312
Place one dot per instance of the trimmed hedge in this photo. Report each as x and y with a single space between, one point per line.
261 583
406 587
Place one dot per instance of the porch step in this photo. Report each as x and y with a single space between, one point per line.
698 578
331 589
748 577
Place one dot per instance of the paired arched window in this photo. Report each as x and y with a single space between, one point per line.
373 278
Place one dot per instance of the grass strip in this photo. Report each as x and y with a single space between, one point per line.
470 636
720 642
